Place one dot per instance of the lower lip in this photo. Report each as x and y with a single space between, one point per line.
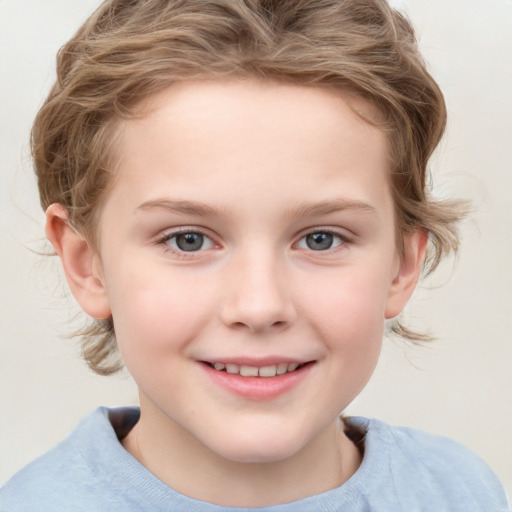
258 388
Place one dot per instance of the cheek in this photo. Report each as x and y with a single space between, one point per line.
354 344
153 315
352 305
349 318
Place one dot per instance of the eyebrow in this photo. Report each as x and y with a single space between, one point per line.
183 207
333 206
302 210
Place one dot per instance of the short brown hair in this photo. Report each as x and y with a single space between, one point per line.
130 49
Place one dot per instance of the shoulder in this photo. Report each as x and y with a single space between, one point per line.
68 477
434 469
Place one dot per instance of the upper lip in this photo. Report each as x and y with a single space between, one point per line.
256 362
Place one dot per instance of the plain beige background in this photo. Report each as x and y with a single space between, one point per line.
459 386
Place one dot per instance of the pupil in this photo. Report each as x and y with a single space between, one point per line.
319 241
190 241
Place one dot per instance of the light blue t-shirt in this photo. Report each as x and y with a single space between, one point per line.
403 470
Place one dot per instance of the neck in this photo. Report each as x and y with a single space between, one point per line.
189 467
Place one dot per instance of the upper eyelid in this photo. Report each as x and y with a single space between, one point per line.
172 232
342 233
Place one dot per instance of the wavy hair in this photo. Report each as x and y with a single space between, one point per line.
130 49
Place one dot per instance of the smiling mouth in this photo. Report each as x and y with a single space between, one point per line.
257 371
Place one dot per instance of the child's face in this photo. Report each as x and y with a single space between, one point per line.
251 224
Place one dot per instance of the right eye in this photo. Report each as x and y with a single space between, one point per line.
187 241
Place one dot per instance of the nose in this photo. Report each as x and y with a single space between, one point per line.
258 295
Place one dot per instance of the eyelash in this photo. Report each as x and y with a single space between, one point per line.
163 241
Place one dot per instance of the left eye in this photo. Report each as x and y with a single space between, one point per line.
189 242
320 241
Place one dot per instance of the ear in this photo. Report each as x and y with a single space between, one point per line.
409 270
81 263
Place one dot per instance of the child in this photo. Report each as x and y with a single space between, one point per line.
237 192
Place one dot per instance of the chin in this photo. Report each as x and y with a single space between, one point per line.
257 447
251 455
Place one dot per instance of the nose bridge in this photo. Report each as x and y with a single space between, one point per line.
257 296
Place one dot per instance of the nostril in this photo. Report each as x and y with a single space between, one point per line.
254 326
257 313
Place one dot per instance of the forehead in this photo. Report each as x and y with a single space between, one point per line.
239 138
255 104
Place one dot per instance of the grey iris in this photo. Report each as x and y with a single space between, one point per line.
190 241
319 241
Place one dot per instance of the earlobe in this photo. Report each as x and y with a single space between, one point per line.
408 274
80 262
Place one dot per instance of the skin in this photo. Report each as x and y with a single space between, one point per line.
255 167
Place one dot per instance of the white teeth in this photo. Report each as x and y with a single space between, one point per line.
254 371
282 368
249 371
268 371
232 368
